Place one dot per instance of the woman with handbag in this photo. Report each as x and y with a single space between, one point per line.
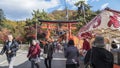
34 54
48 53
98 56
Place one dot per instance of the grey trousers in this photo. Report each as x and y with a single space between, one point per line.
11 61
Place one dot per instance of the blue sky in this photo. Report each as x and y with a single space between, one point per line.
22 9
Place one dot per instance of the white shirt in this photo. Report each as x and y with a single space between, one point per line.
9 44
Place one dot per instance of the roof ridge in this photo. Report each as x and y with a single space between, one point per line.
109 9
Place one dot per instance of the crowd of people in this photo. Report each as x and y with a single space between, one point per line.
94 55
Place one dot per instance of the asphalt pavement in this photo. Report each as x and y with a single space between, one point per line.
22 61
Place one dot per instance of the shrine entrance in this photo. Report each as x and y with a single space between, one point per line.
60 28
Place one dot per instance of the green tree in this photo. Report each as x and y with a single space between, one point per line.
83 10
36 15
31 24
2 17
84 14
19 31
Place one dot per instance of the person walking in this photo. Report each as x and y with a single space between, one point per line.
10 48
98 56
34 54
48 50
72 54
86 47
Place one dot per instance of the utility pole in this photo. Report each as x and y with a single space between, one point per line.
67 32
36 28
82 9
66 10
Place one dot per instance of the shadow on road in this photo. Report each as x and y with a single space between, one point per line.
57 62
27 64
23 65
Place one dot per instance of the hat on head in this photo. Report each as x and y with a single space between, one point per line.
99 41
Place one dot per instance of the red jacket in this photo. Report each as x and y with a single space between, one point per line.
86 45
34 51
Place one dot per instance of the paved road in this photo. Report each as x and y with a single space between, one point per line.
22 62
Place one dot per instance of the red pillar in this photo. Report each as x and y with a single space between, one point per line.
69 28
48 31
48 26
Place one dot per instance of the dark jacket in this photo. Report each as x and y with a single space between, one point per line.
71 53
13 47
101 58
34 51
48 49
114 45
